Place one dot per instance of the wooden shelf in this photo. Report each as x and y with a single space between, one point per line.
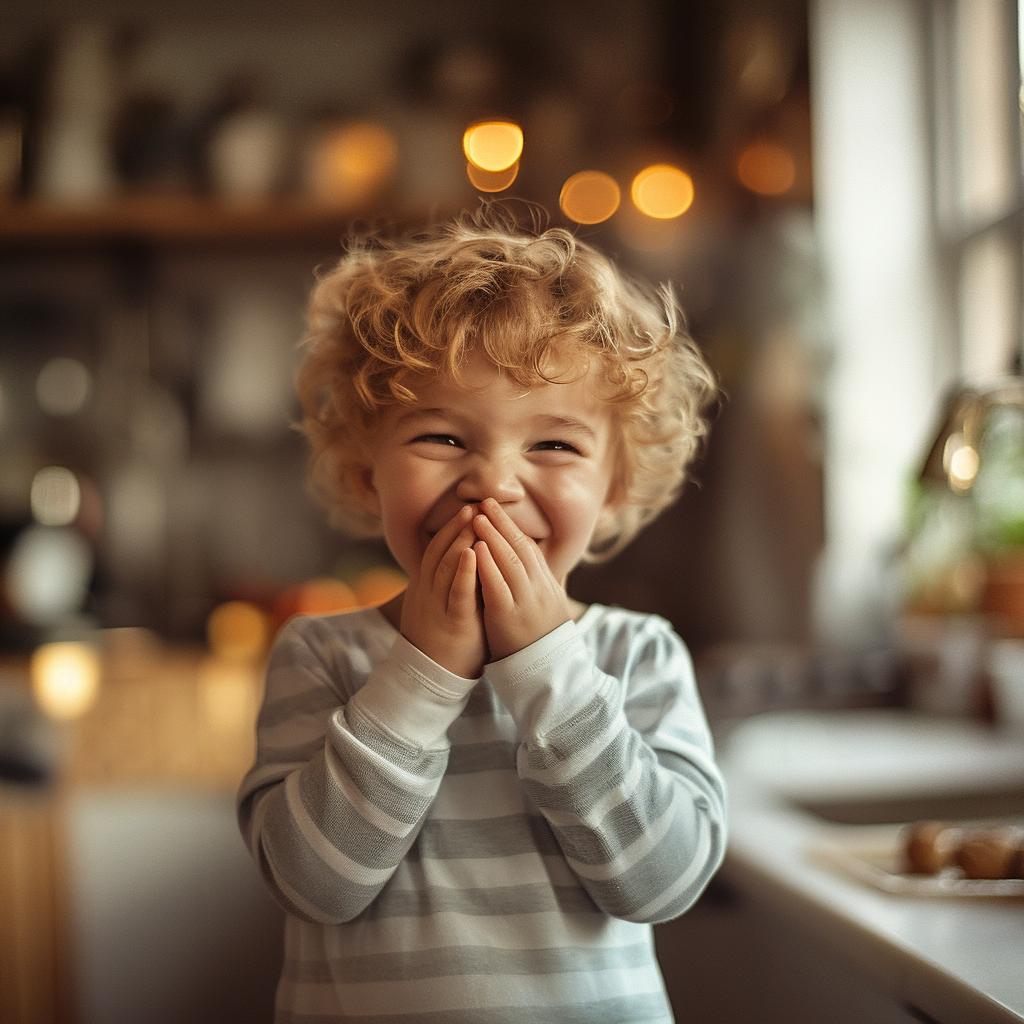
171 219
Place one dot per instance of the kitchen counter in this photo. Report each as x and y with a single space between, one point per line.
956 960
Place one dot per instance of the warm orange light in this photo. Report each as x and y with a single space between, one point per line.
349 162
317 597
590 197
492 181
766 168
662 191
228 691
493 145
238 630
377 585
65 678
961 463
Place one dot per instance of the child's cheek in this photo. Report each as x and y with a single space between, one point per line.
582 492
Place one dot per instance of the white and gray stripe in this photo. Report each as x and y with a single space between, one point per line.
492 858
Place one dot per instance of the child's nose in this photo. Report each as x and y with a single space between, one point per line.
490 478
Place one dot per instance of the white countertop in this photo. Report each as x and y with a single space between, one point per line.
955 959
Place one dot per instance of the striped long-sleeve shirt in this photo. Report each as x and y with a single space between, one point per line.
487 859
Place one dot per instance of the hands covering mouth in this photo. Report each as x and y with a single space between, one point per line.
483 591
477 509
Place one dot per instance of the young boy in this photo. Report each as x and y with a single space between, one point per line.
474 801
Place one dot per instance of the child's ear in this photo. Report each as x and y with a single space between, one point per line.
362 484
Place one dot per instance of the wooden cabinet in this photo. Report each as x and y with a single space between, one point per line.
34 976
126 892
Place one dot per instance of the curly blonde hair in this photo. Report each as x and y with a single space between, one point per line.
396 308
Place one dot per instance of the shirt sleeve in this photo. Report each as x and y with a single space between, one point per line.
344 774
620 765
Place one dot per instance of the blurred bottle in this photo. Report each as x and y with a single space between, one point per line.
247 144
75 162
248 155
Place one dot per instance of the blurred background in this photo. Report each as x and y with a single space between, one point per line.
833 186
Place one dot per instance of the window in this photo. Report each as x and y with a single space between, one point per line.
979 214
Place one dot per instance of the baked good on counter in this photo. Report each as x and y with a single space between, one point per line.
988 853
930 846
991 852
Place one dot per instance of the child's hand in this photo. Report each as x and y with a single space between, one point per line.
522 599
441 613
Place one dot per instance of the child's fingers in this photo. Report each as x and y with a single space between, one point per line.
449 566
494 588
442 541
514 556
524 546
462 599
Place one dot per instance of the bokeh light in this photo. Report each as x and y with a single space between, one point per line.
322 596
590 197
48 573
55 497
65 678
63 386
238 630
492 181
228 694
963 467
379 584
350 162
662 191
493 145
961 463
766 168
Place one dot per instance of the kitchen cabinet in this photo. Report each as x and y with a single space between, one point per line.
733 960
126 891
951 960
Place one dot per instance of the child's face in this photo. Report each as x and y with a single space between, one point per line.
546 455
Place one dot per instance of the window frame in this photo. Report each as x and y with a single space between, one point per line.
956 234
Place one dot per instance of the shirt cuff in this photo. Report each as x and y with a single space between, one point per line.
410 698
545 684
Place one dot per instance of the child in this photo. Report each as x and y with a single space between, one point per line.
474 801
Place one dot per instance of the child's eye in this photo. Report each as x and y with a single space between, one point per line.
442 439
555 446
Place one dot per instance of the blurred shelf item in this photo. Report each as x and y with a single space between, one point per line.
740 680
171 219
